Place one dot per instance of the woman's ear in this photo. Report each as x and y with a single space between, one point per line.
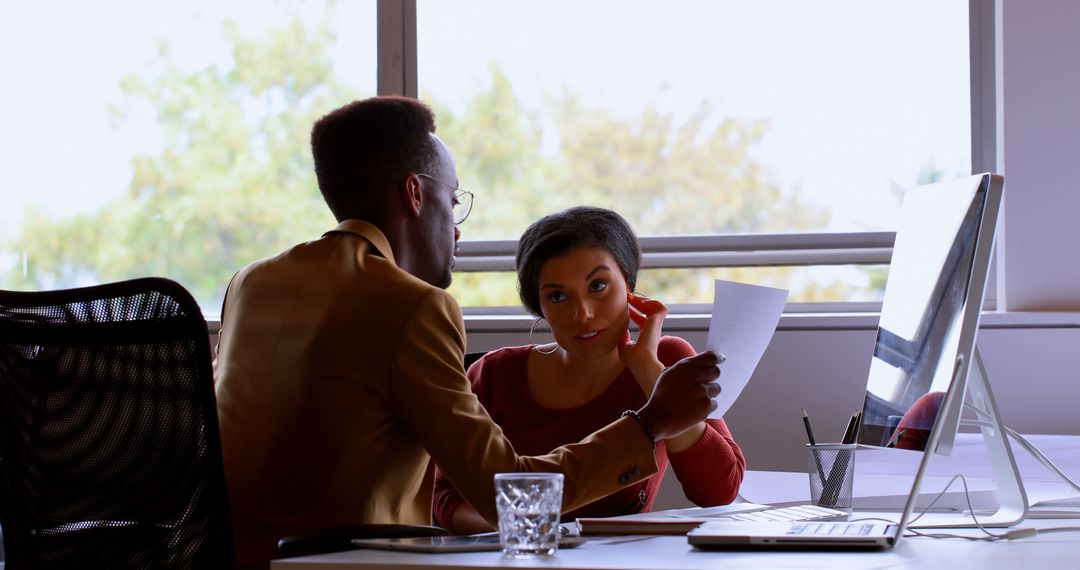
414 195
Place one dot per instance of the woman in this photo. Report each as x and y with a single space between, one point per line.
577 270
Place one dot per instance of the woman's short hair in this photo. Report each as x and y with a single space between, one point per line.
556 234
364 149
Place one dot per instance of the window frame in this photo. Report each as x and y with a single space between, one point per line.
397 75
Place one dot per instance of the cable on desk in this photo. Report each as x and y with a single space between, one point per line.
1057 529
1034 451
1013 534
971 511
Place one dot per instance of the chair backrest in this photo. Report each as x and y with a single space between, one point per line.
109 440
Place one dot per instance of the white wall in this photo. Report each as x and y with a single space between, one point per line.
1040 148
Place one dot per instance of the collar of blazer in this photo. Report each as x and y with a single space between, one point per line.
368 232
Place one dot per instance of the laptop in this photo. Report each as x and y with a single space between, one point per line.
868 535
846 535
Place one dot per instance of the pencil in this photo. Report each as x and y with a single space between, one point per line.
809 432
849 432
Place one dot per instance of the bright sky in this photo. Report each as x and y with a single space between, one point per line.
63 60
859 93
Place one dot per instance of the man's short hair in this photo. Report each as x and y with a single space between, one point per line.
556 234
363 150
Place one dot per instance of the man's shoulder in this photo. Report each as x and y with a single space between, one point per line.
297 259
343 272
348 259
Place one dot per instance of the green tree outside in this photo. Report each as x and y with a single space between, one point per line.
227 188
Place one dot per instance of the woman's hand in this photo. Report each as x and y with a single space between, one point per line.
640 356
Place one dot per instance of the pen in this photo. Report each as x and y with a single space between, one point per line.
813 452
809 432
849 433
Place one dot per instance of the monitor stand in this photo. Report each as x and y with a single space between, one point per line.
1011 496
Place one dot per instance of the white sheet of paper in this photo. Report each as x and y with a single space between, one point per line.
744 319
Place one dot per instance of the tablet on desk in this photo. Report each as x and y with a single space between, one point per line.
474 543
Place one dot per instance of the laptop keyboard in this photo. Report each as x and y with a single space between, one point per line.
799 513
831 529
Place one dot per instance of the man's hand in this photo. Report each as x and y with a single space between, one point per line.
683 395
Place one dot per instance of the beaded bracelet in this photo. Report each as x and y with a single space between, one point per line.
641 422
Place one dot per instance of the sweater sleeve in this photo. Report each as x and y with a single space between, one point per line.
445 501
711 470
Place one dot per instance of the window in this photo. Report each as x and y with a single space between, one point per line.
167 139
699 117
764 141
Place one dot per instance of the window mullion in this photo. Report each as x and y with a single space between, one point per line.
859 248
397 47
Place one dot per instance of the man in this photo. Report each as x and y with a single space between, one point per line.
339 369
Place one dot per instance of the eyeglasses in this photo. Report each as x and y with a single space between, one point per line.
462 199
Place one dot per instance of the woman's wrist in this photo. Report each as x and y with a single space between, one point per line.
687 439
647 373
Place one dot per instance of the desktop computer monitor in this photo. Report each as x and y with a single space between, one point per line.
926 369
930 314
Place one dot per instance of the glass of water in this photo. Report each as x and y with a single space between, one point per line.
528 505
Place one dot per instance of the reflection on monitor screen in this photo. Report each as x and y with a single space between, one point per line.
930 310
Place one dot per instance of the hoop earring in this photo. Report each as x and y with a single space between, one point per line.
533 329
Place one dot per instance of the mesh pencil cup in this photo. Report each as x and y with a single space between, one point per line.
832 473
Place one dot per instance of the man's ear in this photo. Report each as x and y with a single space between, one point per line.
414 195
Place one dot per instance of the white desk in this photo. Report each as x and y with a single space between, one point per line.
1057 550
1060 550
890 472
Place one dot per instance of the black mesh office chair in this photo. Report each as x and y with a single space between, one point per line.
108 431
